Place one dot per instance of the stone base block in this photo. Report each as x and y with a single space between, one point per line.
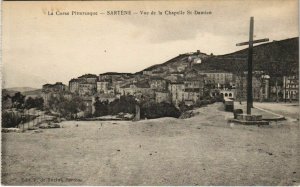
244 122
247 117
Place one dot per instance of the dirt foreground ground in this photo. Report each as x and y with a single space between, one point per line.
203 150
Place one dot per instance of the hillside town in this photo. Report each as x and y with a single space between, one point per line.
177 81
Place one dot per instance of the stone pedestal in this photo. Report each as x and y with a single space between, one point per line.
247 119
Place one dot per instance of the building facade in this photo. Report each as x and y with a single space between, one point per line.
291 88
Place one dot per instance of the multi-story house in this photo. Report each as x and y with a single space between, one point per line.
291 87
85 85
162 96
158 83
57 87
193 88
87 89
260 87
221 79
114 75
74 85
54 90
88 78
137 89
176 90
104 86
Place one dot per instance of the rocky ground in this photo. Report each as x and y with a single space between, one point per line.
202 150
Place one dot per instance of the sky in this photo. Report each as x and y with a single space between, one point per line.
39 48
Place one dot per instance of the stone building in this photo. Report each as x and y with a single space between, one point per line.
291 88
176 90
57 87
147 72
228 93
87 89
193 88
158 84
260 87
88 78
221 79
104 87
74 85
106 97
47 95
112 76
137 89
116 85
83 85
162 96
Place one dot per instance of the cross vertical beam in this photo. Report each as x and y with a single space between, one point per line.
250 53
249 77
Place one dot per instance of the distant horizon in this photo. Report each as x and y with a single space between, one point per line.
58 48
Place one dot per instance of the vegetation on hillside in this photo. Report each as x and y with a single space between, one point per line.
67 108
126 104
277 58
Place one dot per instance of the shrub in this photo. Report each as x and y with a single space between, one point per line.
66 107
34 103
10 119
153 110
13 119
18 100
125 104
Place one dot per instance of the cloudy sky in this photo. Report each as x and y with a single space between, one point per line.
39 49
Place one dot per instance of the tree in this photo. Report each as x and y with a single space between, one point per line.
153 110
101 107
18 100
125 104
66 107
37 102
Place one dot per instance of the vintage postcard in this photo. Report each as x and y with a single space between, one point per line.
150 93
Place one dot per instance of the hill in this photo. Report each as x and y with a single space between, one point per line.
36 92
277 58
21 89
27 91
175 64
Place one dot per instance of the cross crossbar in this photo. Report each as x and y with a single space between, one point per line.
253 42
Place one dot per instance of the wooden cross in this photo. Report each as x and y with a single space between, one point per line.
250 53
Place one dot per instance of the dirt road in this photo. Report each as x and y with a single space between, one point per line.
203 150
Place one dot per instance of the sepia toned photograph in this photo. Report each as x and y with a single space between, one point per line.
150 93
